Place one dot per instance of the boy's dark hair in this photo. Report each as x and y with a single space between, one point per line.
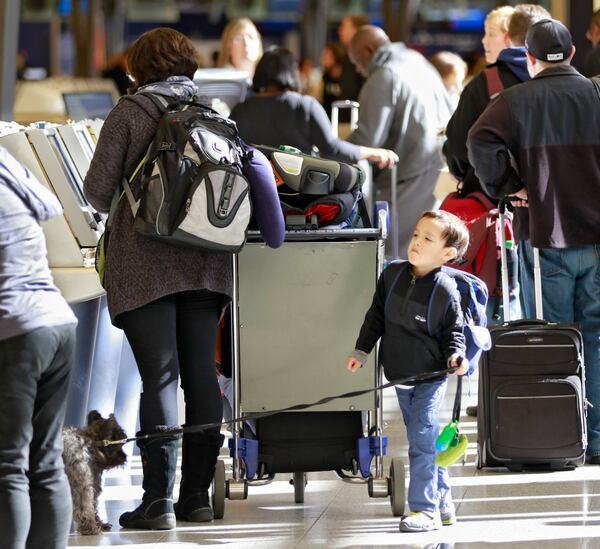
455 231
524 16
158 54
277 69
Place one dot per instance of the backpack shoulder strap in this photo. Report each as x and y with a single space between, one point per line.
161 101
126 187
392 274
494 84
439 301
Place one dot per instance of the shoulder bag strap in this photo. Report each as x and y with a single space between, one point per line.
596 81
494 84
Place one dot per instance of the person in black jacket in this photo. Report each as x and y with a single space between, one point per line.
540 141
398 315
511 68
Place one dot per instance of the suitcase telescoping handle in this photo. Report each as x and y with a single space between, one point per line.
394 213
537 274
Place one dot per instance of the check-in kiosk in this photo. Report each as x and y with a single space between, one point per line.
86 224
80 145
104 376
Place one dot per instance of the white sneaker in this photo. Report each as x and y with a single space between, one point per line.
448 515
421 521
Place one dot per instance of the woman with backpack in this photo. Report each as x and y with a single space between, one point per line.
168 299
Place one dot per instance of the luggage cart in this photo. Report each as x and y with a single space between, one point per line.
295 314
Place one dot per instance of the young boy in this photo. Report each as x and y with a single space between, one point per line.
398 316
495 38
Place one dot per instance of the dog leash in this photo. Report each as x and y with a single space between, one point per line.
259 415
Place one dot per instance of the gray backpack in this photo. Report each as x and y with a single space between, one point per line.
192 190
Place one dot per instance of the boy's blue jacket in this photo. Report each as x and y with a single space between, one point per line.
398 315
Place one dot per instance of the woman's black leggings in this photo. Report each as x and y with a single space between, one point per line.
171 337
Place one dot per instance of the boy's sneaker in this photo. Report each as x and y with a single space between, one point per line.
421 521
448 515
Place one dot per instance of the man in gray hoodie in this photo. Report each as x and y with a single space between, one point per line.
403 107
37 341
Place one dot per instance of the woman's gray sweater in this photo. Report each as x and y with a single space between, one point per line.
140 270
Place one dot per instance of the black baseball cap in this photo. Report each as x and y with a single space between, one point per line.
549 40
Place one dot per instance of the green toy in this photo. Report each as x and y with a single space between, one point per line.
450 444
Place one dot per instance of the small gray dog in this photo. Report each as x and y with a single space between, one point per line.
85 459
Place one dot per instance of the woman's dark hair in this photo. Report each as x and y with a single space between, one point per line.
277 69
337 50
158 54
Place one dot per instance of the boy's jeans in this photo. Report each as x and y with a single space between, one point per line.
35 500
571 293
429 487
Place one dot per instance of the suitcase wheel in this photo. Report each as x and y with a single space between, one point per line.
299 480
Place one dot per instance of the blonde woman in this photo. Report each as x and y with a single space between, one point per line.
241 46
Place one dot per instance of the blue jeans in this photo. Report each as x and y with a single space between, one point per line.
429 487
515 310
571 293
35 500
526 279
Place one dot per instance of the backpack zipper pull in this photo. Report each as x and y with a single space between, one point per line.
226 196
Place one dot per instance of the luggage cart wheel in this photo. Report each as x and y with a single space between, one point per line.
397 487
218 490
299 481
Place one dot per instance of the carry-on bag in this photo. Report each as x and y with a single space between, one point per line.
316 192
193 192
531 403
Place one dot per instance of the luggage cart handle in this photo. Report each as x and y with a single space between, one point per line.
336 106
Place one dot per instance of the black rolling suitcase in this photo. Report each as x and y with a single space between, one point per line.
531 404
